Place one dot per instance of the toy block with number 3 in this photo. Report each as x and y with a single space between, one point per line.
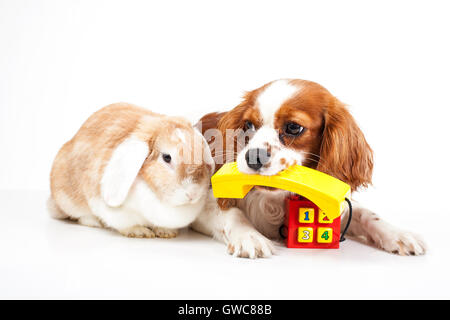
305 234
306 215
324 235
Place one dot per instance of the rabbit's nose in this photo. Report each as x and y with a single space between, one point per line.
190 195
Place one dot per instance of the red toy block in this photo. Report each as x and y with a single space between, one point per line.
303 228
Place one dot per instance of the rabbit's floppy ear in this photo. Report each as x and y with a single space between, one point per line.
122 169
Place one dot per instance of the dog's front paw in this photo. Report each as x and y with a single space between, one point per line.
250 245
402 243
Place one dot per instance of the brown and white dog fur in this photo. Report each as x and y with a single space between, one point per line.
292 122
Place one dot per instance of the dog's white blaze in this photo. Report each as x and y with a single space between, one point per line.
273 97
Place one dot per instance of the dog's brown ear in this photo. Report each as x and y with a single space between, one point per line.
226 204
209 121
345 153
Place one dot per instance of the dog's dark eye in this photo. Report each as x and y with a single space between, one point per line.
166 157
248 125
293 129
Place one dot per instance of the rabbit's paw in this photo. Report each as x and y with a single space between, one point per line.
138 232
165 232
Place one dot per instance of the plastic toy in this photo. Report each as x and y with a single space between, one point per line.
313 220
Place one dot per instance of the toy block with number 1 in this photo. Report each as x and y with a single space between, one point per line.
306 215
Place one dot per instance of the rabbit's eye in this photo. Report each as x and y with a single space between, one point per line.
166 157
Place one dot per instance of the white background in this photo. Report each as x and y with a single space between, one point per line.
62 60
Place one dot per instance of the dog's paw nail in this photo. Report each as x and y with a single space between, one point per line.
403 243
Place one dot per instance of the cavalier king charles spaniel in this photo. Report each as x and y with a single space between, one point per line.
283 123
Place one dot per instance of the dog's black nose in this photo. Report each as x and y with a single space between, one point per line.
256 158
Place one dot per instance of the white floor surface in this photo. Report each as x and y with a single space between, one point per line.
45 258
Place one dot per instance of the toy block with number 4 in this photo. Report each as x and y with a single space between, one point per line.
324 235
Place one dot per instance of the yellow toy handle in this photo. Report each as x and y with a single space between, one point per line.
327 192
